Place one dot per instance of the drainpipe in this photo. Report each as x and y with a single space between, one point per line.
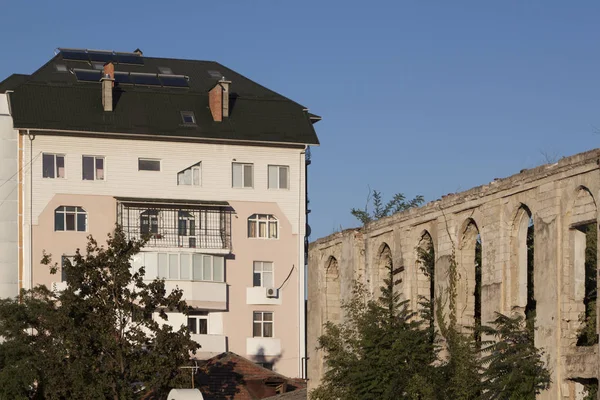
31 138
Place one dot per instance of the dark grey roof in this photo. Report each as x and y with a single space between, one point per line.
12 82
53 100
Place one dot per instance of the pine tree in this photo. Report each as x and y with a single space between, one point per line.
514 367
97 338
382 351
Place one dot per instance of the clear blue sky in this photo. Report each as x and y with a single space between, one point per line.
419 97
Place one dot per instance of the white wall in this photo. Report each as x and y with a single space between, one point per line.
9 272
124 179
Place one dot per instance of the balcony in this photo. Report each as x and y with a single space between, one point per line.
201 294
210 345
177 224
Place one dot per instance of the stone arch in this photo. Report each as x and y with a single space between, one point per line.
383 262
426 278
469 275
333 310
583 237
521 282
425 257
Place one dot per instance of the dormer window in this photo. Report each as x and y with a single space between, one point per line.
188 118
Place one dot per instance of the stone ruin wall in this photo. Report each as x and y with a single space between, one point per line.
558 197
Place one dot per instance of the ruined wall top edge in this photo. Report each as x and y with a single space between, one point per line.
525 176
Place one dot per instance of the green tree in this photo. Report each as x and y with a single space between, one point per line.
96 339
514 367
381 351
396 204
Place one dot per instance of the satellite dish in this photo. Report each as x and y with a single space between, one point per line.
308 230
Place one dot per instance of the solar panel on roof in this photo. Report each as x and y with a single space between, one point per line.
87 75
174 80
74 54
215 74
144 79
123 78
101 56
130 58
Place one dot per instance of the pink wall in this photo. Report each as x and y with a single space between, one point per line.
101 212
283 252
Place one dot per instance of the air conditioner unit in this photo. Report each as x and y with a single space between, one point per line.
272 293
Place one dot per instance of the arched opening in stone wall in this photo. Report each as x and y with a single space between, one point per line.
426 280
469 279
332 291
584 239
522 276
384 263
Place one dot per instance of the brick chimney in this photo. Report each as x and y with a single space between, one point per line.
218 100
108 81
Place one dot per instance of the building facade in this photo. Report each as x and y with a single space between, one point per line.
213 170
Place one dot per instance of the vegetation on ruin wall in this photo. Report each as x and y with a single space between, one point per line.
96 339
587 335
384 350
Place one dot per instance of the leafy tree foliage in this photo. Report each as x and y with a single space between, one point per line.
97 338
380 352
380 209
515 370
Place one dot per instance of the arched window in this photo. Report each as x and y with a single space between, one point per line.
469 284
263 226
70 218
333 309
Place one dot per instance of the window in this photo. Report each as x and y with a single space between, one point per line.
263 324
198 324
243 175
165 70
263 274
98 66
186 224
69 218
188 118
263 226
149 222
65 261
60 67
181 266
148 164
93 168
190 176
278 177
53 166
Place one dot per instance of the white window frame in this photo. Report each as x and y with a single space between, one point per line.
243 176
95 158
278 168
55 161
259 219
150 159
258 267
199 317
163 270
196 168
262 323
78 211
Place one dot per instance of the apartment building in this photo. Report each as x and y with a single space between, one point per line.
207 162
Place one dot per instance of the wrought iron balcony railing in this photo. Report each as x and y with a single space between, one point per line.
176 223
